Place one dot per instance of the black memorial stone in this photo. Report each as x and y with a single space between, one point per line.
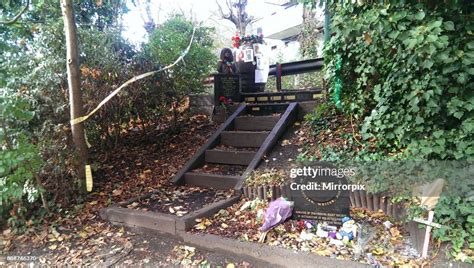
322 195
227 85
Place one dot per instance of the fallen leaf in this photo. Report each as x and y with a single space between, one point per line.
117 192
368 38
378 251
394 232
83 234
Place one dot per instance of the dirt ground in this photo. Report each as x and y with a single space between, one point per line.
136 247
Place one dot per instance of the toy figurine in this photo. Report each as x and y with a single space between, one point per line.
348 230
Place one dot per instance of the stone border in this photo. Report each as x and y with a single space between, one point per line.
276 256
163 222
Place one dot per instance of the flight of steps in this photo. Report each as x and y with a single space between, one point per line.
239 144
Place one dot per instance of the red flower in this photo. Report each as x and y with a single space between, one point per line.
300 224
236 40
222 99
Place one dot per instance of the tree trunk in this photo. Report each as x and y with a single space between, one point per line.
75 94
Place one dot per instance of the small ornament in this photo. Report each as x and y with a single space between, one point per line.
348 230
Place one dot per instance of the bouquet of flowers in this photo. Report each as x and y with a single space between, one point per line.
238 40
225 102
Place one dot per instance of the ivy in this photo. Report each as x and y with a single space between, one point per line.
407 70
407 78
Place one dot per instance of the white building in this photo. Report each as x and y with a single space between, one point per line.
281 22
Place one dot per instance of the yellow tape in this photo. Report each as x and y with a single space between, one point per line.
136 78
89 180
87 141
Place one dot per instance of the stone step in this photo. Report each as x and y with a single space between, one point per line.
256 123
211 180
243 138
231 157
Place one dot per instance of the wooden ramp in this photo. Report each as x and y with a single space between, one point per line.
239 144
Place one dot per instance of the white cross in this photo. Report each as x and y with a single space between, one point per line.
429 225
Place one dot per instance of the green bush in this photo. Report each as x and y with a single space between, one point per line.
167 43
19 160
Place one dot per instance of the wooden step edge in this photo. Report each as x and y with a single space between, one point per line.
233 151
215 181
233 177
246 132
259 116
235 157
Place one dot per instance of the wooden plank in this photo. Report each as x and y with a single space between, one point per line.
243 138
199 157
282 96
288 118
256 123
231 157
187 222
211 180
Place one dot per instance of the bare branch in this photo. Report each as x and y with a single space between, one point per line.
9 22
221 12
137 4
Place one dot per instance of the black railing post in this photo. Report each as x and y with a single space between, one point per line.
278 76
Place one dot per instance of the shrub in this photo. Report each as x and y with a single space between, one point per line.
166 44
19 160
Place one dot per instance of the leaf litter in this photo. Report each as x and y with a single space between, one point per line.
139 164
386 247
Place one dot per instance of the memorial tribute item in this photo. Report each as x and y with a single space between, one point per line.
250 62
348 230
226 82
429 196
227 86
226 63
262 63
320 192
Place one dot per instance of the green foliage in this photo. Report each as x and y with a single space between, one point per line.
407 77
32 68
38 149
19 158
407 71
168 42
455 215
